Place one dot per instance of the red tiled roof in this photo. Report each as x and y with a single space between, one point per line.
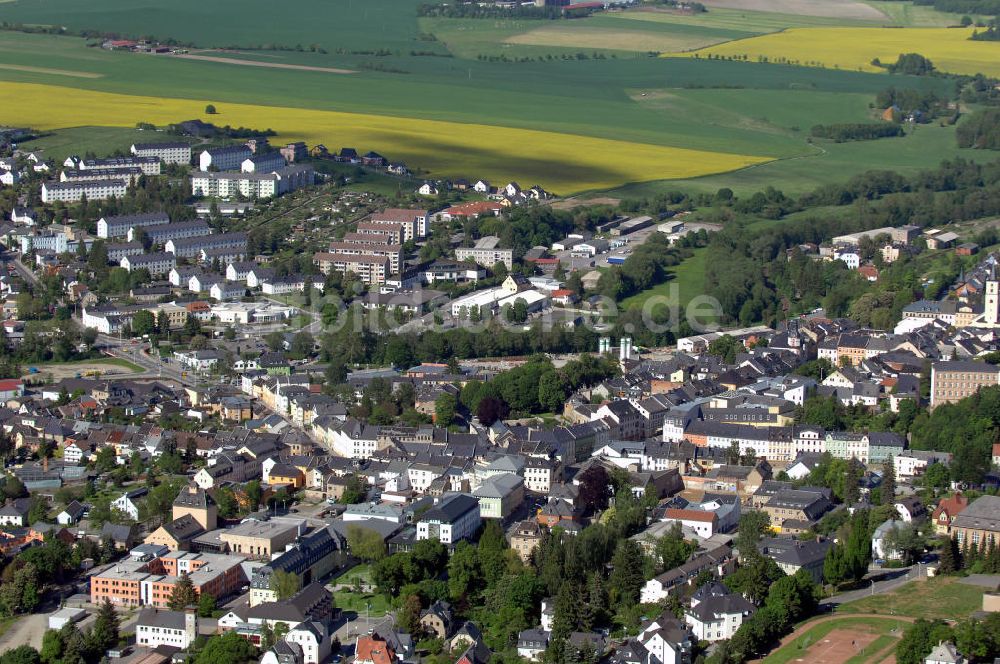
372 649
473 208
691 515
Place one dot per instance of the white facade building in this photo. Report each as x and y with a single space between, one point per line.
73 192
168 153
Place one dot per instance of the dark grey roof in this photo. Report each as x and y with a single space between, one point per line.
161 618
451 508
795 552
714 607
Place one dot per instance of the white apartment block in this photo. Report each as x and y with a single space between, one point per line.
486 253
453 518
189 247
73 192
114 227
168 153
158 263
393 252
263 163
370 269
129 175
149 165
414 221
224 159
228 184
159 627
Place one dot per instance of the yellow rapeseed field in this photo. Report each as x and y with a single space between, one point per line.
562 163
950 49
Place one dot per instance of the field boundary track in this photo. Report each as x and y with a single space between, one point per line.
257 63
54 72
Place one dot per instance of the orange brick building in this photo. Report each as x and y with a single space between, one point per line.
142 583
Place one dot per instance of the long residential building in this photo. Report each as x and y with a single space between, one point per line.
157 263
187 247
263 162
354 247
370 269
149 165
414 221
166 232
151 583
227 184
954 381
487 253
92 190
785 443
168 153
225 158
114 227
128 175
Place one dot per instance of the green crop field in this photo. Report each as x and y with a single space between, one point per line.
449 70
331 24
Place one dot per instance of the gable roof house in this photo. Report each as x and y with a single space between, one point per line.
718 616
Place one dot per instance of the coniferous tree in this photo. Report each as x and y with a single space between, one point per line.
183 594
888 488
949 559
105 634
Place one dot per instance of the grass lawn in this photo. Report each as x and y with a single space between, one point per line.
349 601
362 572
887 629
930 598
98 140
60 370
6 623
688 279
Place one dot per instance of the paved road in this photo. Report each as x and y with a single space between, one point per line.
880 582
151 364
25 272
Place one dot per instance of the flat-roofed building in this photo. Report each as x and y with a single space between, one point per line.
486 252
260 539
151 583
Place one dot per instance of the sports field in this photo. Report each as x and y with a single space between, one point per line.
563 162
950 49
836 640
